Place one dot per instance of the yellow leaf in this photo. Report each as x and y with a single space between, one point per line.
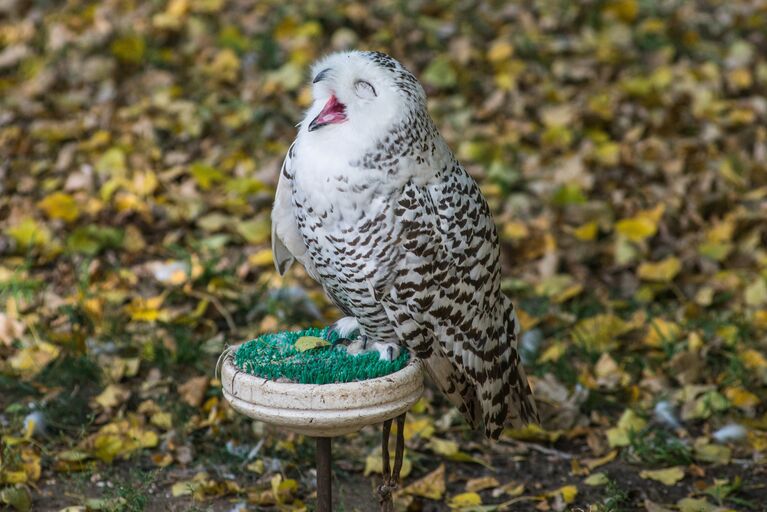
30 464
597 479
431 486
593 463
173 16
668 476
305 343
183 488
753 359
450 450
712 453
729 333
598 333
661 331
162 460
119 439
481 483
629 422
500 50
17 497
559 287
515 231
697 505
421 427
31 360
756 293
164 420
760 319
512 488
207 5
532 432
568 492
129 48
608 153
553 353
29 233
443 446
147 309
13 477
694 342
526 321
112 162
10 328
609 374
662 271
465 500
758 441
741 398
282 490
72 456
60 206
717 251
374 464
625 10
586 232
254 231
261 258
257 466
643 225
225 66
112 396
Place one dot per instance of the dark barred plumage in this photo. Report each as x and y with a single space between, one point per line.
400 237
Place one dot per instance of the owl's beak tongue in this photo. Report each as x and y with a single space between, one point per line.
333 112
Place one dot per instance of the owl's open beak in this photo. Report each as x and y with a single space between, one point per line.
333 112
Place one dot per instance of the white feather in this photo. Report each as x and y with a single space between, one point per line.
730 433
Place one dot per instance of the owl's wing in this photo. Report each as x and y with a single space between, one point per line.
287 242
416 283
446 303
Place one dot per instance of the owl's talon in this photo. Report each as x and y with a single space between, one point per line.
386 351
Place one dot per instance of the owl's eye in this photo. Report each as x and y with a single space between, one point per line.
364 90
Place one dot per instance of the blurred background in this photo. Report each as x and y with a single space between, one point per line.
622 145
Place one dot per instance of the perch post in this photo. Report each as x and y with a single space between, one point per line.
324 411
324 487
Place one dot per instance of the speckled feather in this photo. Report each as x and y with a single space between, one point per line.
381 214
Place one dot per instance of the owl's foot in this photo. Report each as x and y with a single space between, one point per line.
387 351
363 345
345 327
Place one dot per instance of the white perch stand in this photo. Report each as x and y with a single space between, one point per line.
323 411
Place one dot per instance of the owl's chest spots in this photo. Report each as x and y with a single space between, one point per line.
348 241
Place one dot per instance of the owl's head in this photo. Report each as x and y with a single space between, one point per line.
360 94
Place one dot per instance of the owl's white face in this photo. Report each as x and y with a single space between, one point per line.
355 99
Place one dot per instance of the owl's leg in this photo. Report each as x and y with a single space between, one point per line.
391 477
345 327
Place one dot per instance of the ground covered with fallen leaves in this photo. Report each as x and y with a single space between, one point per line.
622 145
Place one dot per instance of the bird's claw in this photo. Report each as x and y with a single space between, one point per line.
387 351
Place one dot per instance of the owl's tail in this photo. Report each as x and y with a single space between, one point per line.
503 390
455 386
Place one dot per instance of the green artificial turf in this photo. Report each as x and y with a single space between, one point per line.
274 356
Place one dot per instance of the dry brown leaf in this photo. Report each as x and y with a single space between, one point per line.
193 390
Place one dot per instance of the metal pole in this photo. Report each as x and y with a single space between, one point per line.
324 490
